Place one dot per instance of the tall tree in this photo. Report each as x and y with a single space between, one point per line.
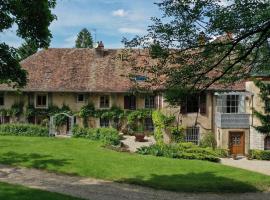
84 39
27 49
198 43
32 19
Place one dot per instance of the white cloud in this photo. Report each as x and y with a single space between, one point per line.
131 30
225 3
120 13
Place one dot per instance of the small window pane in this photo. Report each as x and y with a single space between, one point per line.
80 98
2 100
41 100
150 102
192 134
104 122
104 102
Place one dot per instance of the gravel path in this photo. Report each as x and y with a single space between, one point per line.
253 165
133 145
94 189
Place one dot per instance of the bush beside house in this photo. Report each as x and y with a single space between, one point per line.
181 151
109 136
24 130
259 154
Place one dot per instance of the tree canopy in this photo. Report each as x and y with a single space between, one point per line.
198 43
27 49
32 19
84 39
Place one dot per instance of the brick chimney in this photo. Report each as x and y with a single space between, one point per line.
100 49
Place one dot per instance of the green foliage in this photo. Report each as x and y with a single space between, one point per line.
17 109
180 151
31 26
108 136
161 122
208 140
259 154
27 49
178 134
84 39
264 118
60 120
199 38
23 130
86 112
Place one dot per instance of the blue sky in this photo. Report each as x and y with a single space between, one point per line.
112 19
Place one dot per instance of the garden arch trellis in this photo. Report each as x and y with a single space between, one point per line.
52 128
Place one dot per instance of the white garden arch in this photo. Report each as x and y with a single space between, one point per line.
52 128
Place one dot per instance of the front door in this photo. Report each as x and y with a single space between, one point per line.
237 143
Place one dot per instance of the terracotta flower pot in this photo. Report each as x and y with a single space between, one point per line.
139 138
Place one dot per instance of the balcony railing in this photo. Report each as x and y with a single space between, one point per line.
232 120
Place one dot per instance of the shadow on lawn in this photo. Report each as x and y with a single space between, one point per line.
195 182
34 160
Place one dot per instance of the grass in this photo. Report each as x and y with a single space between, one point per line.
16 192
87 158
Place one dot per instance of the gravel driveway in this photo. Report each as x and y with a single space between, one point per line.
260 166
94 189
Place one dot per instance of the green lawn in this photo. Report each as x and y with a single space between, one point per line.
16 192
87 158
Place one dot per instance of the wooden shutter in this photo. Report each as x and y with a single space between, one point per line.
202 103
126 102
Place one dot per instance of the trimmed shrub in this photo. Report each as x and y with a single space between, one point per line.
180 151
259 154
24 130
208 140
109 136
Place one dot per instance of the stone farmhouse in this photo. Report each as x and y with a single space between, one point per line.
75 77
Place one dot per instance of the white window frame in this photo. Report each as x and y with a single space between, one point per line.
100 101
77 97
148 98
47 99
239 104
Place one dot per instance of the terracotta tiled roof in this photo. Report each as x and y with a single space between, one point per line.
81 70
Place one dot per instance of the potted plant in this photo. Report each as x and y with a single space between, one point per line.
139 134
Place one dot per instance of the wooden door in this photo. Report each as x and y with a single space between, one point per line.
237 143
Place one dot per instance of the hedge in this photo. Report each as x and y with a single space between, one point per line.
106 135
180 151
259 154
24 130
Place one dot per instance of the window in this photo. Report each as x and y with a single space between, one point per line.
267 143
194 103
80 98
104 122
41 101
140 78
149 102
104 102
193 134
130 102
267 106
2 101
4 119
148 124
232 103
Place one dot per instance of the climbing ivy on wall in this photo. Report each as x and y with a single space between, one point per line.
263 117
